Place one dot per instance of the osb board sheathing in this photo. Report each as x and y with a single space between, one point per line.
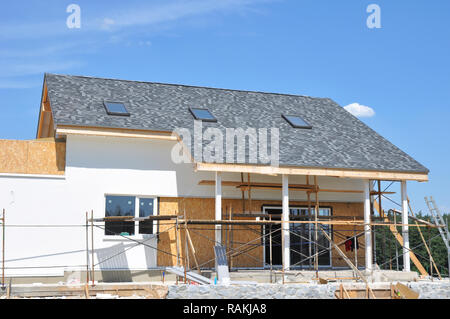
32 157
203 235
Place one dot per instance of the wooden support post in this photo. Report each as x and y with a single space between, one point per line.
225 229
390 255
177 242
431 251
87 248
395 232
249 192
186 257
218 209
285 226
191 245
308 194
355 240
270 248
86 290
383 239
3 248
228 250
373 228
316 230
178 245
92 248
243 194
231 239
186 251
218 213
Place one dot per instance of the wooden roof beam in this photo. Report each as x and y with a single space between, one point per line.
331 172
299 187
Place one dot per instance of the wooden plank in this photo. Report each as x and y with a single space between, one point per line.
86 291
251 184
131 218
414 218
300 187
191 245
267 222
8 290
405 292
44 100
347 173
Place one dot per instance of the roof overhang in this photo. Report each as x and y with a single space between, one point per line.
64 130
331 172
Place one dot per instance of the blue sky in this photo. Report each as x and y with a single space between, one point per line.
309 47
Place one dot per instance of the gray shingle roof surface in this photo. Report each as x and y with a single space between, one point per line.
337 139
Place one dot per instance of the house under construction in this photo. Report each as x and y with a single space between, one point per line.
99 191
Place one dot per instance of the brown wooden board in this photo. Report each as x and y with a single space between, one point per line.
202 235
33 157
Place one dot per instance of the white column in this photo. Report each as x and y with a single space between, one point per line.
406 257
285 226
367 228
218 207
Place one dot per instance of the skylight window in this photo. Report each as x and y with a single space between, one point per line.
202 115
116 108
296 121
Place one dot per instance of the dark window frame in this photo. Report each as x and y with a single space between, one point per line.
136 225
213 120
127 113
286 117
301 207
145 225
124 226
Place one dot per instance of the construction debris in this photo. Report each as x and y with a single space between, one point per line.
100 291
397 291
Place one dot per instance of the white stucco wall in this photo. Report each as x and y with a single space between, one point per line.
99 166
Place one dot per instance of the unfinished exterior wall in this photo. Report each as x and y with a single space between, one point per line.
100 166
36 157
202 235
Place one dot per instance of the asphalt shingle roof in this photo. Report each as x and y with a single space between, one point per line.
337 138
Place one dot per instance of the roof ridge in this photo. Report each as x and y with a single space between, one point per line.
191 86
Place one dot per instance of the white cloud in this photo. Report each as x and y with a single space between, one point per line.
107 24
171 11
25 58
122 16
359 110
145 43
